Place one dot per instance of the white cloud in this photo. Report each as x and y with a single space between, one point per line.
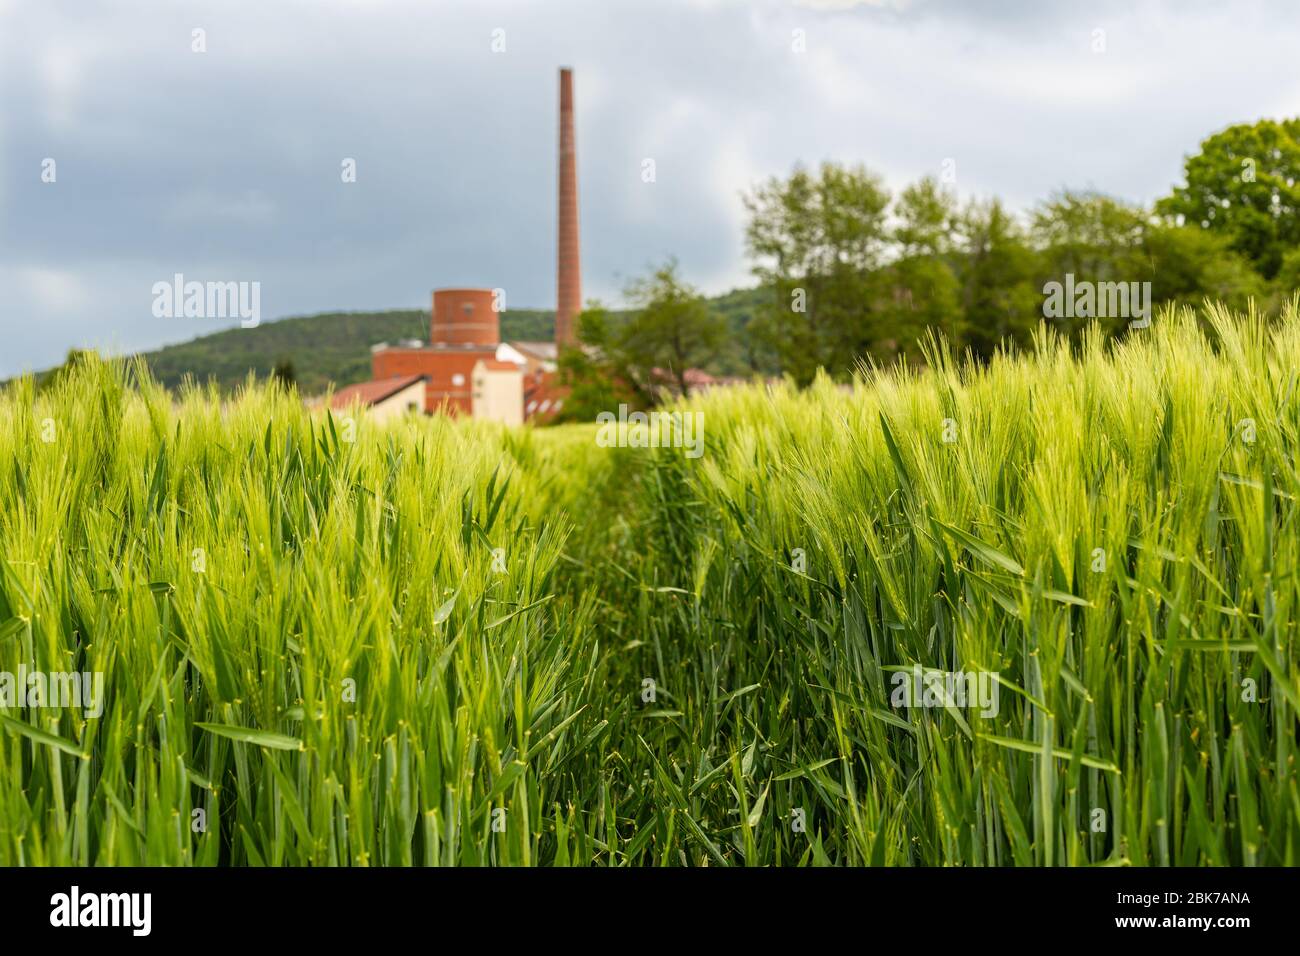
52 290
851 4
61 71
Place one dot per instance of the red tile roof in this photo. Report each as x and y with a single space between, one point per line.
369 393
543 396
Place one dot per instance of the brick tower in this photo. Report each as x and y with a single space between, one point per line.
568 297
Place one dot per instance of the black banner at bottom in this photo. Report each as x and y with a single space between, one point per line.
335 906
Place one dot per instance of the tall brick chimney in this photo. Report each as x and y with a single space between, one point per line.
568 297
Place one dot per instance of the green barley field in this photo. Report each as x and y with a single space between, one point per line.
451 643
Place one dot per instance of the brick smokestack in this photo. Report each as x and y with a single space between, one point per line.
568 298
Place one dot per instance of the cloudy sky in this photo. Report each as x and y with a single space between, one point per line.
226 164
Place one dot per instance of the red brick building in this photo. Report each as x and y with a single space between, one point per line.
466 327
465 331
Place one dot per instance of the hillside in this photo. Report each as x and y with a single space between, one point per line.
330 347
335 346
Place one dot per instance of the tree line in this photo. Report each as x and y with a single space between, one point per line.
848 271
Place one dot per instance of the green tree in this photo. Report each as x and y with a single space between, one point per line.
818 240
1245 185
670 331
74 360
1287 281
1189 264
283 374
923 286
1090 234
1001 299
592 372
1093 237
926 214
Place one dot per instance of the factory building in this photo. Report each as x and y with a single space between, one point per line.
465 368
384 398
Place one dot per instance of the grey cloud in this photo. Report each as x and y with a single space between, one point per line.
225 165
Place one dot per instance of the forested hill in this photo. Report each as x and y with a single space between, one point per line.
330 347
335 346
